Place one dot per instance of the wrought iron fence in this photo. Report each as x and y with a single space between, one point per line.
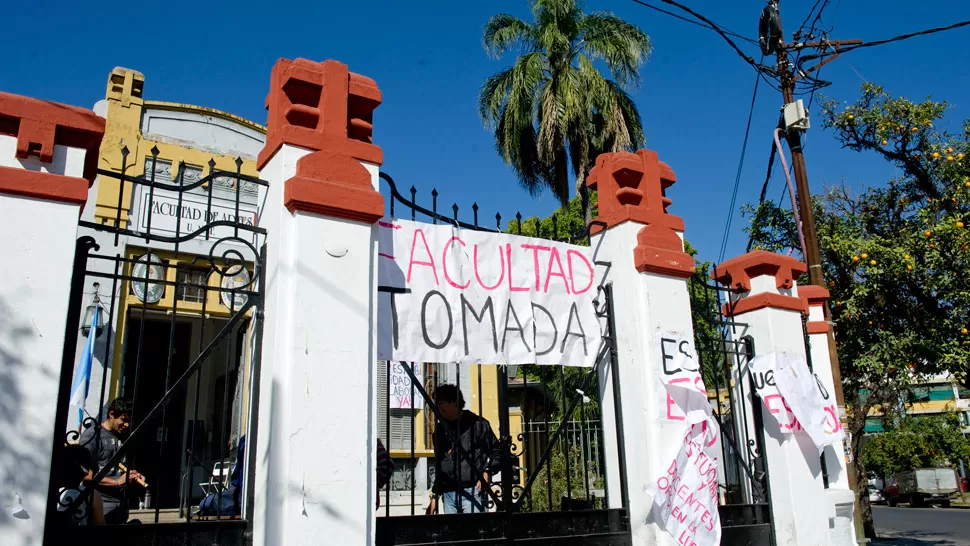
180 341
547 418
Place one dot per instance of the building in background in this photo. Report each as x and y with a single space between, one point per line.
940 394
175 145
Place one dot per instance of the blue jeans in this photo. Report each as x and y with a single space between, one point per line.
469 500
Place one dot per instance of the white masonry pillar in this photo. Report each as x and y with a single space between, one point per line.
639 251
841 498
316 447
766 300
47 163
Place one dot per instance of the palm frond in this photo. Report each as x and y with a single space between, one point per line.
621 45
504 32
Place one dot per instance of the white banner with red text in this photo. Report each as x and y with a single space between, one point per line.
685 496
681 393
447 294
795 397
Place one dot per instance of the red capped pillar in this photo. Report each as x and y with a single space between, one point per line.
48 161
322 167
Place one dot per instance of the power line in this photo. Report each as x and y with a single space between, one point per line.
693 22
899 38
807 17
737 177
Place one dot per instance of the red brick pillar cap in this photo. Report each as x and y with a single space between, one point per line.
326 108
815 297
39 125
737 273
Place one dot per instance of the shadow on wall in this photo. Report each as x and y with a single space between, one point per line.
24 453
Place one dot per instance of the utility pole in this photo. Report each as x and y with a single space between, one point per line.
813 256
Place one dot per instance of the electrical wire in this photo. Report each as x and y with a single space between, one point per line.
737 178
693 22
807 17
899 38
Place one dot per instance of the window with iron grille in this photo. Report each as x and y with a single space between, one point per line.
191 285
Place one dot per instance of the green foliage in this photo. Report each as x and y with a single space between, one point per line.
896 257
553 476
916 442
552 110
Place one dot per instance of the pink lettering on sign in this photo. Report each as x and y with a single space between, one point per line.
508 252
501 269
570 254
536 249
776 404
444 264
674 412
554 258
832 423
429 263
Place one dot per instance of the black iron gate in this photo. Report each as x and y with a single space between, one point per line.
724 349
549 483
169 285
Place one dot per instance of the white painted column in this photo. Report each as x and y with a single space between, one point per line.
316 446
841 498
42 191
648 271
769 306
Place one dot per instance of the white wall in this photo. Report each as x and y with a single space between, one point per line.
37 246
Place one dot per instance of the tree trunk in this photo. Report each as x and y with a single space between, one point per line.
583 192
857 427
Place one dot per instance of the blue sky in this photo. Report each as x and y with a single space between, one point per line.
428 60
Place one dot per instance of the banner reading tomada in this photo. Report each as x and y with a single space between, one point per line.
453 295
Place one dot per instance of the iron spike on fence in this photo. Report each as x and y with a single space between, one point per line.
475 211
518 222
498 221
454 210
434 204
414 197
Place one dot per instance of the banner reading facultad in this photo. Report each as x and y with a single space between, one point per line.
453 295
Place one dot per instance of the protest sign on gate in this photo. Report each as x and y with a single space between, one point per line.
447 294
796 398
399 387
680 390
685 496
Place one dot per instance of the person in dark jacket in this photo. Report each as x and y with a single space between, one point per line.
461 474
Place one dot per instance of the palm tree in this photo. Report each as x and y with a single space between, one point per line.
553 110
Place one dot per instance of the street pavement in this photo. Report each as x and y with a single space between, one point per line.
904 526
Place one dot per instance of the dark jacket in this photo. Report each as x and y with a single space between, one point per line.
481 452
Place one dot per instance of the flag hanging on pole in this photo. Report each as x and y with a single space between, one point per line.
82 373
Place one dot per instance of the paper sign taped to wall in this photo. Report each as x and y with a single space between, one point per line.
681 394
401 394
685 497
447 294
795 397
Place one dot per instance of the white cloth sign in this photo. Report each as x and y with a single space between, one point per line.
399 387
685 496
453 295
681 393
796 398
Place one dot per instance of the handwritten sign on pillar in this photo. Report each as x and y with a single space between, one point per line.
685 496
402 396
796 398
681 393
447 294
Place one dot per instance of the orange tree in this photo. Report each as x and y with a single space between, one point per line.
896 257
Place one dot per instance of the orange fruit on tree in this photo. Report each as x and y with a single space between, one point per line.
915 129
855 258
960 156
927 233
872 262
949 150
905 256
936 155
851 117
959 224
909 267
864 255
884 142
949 158
963 331
932 246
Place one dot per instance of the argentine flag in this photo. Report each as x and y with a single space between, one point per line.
82 374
